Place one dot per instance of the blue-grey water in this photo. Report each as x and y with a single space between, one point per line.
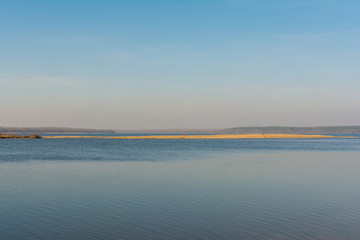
180 189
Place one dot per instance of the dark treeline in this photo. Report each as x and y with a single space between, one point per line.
39 130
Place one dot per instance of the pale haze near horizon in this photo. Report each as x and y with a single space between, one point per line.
179 64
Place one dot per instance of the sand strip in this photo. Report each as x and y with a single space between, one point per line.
215 136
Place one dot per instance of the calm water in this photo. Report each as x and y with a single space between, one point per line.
180 189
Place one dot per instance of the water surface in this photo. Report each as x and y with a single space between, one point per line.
180 189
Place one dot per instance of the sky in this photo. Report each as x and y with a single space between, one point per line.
161 64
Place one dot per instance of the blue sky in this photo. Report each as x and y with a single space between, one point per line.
130 64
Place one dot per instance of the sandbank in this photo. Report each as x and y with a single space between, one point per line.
214 136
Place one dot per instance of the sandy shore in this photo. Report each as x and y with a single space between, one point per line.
215 136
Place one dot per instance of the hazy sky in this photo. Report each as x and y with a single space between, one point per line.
129 64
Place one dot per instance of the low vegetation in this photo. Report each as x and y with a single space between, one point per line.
33 136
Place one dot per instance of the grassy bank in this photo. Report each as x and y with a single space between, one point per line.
34 136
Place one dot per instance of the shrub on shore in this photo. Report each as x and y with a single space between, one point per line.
34 136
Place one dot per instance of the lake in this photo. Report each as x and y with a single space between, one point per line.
180 189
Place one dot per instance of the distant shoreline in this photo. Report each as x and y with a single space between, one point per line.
212 136
338 130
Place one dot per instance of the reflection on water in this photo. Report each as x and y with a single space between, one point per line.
228 195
